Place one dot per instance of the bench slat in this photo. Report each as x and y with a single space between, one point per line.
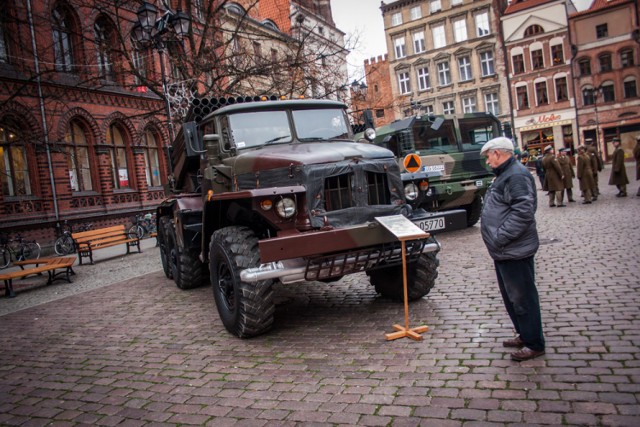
50 265
87 241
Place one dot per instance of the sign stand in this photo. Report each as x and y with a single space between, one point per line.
404 230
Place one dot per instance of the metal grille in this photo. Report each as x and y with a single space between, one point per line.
378 189
337 192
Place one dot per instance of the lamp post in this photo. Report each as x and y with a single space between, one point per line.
594 94
151 31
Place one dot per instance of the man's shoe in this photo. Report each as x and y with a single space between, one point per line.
552 206
526 354
571 200
513 342
621 195
586 203
562 206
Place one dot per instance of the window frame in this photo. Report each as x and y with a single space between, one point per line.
561 88
82 172
464 69
460 32
483 24
492 105
404 82
419 41
10 149
438 34
488 63
518 66
422 73
522 97
400 47
537 59
542 92
444 74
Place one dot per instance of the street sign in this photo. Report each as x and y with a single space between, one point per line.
412 163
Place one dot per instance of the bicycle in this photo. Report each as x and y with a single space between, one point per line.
64 244
18 249
142 226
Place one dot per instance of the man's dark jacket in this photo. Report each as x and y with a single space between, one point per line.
508 217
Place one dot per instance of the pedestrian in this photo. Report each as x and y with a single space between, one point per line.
585 175
618 171
636 155
539 170
568 172
596 164
508 228
553 178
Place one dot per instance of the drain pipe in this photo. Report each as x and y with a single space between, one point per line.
42 111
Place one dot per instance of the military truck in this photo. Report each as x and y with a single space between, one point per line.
440 160
270 191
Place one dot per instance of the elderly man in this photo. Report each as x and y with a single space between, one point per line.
509 232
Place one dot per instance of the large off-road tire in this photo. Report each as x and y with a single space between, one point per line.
186 268
474 210
163 234
246 309
421 277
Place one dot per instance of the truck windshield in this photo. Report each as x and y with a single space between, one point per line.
259 128
320 124
475 132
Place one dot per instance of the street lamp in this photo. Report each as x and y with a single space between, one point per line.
594 96
151 31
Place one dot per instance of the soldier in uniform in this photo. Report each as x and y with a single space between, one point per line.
596 164
618 171
553 178
585 175
568 171
636 155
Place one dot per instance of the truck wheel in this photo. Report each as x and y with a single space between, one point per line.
246 309
421 278
185 266
163 234
474 210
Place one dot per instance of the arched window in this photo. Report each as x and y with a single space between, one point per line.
626 58
14 170
235 8
533 30
270 24
630 88
605 62
63 45
4 46
608 91
588 95
119 165
151 163
79 160
584 66
105 42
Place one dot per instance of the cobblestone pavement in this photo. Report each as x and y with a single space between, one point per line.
142 352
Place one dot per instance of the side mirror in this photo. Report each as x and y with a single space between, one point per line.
437 123
192 141
212 144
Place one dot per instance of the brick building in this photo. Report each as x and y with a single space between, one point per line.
536 37
83 119
377 96
606 43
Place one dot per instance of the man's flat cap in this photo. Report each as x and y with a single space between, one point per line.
499 143
548 148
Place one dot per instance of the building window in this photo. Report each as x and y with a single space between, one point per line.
532 30
584 66
626 58
608 92
105 42
14 164
415 13
418 42
537 62
602 31
428 109
492 103
444 74
63 39
469 104
561 89
486 63
523 97
518 63
139 65
456 2
439 38
404 85
435 6
78 160
150 145
396 19
630 89
460 30
541 93
198 9
118 152
448 107
464 68
588 96
557 55
4 51
605 62
379 113
400 47
423 78
482 24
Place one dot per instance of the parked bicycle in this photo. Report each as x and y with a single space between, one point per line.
143 225
17 249
64 244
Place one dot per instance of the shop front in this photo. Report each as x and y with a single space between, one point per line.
535 132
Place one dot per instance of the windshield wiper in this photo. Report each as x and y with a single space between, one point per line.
277 138
313 138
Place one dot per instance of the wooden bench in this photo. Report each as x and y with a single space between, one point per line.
88 241
50 265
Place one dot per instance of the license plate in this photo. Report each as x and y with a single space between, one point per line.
431 224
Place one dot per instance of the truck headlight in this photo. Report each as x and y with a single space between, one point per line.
411 191
286 207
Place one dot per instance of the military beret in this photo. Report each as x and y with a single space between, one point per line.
499 143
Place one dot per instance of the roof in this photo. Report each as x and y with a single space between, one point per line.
597 5
519 5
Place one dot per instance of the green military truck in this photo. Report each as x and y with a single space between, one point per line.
439 157
270 191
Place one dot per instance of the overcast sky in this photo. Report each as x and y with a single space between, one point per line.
362 19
